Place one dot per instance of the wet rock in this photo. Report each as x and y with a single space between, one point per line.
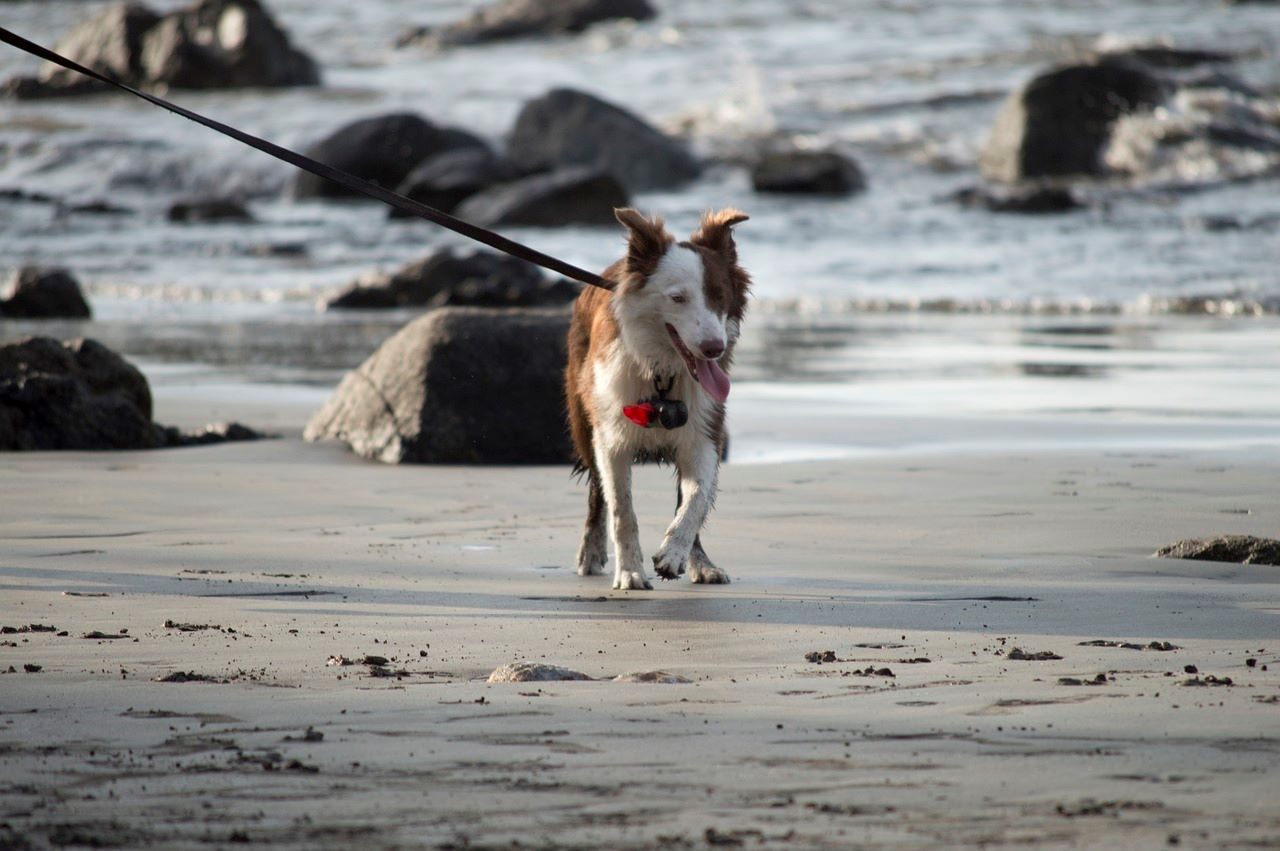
77 395
571 128
209 210
187 677
1241 549
40 293
1036 199
820 656
446 180
663 677
32 669
213 44
1059 123
382 149
458 385
451 277
570 196
524 18
1018 654
533 672
808 173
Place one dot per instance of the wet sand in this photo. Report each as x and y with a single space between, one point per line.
920 575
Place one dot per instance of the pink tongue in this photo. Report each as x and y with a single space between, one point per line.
713 379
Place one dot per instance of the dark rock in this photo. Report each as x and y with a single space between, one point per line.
570 196
95 208
1241 549
808 172
571 128
1038 199
482 278
522 18
219 44
209 210
36 293
383 149
78 395
1058 124
446 180
458 385
211 44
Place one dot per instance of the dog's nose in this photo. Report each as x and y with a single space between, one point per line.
712 349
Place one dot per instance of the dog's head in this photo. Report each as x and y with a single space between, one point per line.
680 304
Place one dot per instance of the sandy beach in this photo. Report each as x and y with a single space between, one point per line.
920 575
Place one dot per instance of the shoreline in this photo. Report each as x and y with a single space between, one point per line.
306 552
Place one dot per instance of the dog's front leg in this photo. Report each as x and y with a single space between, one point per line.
698 474
615 479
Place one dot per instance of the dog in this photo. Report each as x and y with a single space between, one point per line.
669 324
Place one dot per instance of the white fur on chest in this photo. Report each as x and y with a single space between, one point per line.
618 380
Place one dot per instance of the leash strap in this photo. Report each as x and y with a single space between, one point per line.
350 181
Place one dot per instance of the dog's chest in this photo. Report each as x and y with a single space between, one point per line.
618 381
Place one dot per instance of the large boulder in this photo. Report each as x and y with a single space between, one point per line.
808 173
571 128
479 278
382 149
1241 549
36 293
522 18
213 44
1059 124
446 180
570 196
77 395
458 385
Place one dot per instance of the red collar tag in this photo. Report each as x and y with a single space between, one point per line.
642 415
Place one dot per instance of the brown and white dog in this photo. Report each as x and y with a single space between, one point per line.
674 315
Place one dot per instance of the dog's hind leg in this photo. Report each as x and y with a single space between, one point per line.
593 552
702 568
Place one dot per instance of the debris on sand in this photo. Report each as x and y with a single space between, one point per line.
376 661
1162 646
533 672
339 661
650 677
31 627
1241 549
1018 654
821 656
187 677
190 627
1208 680
1099 680
107 635
872 671
32 669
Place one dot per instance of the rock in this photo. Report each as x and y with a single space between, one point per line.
458 385
219 44
383 149
650 677
213 44
1059 124
533 672
36 293
1035 199
808 172
446 180
569 196
571 128
213 433
522 18
209 210
480 278
1241 549
78 395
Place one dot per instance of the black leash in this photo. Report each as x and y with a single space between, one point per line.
355 184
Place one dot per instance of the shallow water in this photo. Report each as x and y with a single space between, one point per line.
874 305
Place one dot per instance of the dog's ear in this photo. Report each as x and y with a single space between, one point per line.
716 232
647 240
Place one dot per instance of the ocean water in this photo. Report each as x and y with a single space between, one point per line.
892 320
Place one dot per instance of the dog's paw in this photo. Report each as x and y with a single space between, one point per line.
667 564
704 572
631 580
591 561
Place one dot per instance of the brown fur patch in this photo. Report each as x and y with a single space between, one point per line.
647 241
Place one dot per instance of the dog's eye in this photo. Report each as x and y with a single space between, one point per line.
679 298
